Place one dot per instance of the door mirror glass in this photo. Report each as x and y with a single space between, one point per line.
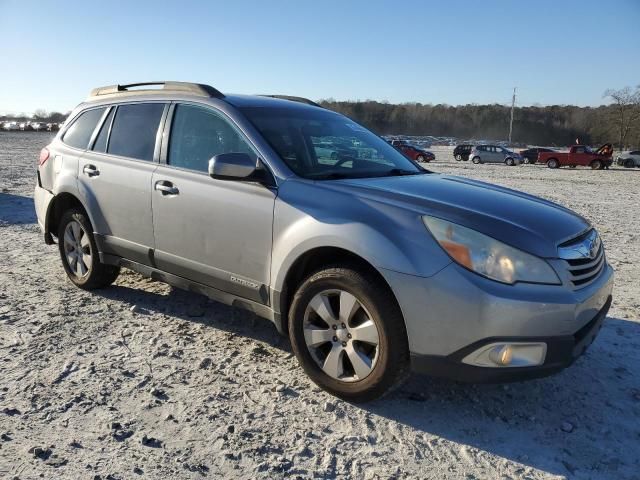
232 166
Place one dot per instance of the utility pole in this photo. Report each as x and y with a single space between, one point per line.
513 104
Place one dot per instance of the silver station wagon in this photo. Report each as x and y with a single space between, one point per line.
372 265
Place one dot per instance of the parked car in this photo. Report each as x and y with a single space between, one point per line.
37 126
530 155
494 154
461 152
371 267
414 153
579 155
629 159
10 126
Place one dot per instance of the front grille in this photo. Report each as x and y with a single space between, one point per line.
583 266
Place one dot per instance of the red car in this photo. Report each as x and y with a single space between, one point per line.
414 153
579 155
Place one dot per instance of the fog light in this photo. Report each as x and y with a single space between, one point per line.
513 354
502 355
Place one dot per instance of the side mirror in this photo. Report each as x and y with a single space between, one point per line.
232 166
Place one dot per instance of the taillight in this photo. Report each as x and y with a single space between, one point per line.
44 156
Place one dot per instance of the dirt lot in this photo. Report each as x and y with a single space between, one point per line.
183 387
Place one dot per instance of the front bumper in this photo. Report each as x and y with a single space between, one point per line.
456 312
562 351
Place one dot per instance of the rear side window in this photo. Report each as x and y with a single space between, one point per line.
198 134
101 142
134 130
79 133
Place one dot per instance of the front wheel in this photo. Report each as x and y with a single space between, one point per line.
476 160
458 157
420 158
629 163
348 334
597 165
510 162
553 163
526 161
79 252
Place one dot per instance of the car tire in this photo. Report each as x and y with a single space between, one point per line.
338 362
526 161
572 166
597 165
510 162
553 163
79 252
476 160
629 163
420 158
458 157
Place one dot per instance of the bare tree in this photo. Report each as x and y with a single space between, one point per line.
627 111
40 114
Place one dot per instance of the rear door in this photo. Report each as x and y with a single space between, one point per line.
214 232
114 177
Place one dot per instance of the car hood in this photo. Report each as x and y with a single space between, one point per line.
526 222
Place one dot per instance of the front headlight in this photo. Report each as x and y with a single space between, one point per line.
487 256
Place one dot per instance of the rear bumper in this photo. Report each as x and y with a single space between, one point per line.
562 351
42 199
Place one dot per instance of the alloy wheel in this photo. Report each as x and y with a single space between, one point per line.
341 335
77 249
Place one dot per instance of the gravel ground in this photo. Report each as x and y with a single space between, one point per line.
141 380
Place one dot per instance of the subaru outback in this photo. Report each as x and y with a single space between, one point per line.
373 266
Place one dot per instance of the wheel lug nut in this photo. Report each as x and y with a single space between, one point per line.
349 335
334 327
343 325
344 344
335 339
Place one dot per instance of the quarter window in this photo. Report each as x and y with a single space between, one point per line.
134 130
198 134
101 142
79 133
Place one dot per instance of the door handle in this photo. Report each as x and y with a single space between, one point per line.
90 171
167 188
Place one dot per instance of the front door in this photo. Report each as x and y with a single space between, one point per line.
214 232
114 178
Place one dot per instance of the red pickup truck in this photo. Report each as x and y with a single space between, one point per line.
579 155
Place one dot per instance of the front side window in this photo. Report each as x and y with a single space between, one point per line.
198 134
134 130
320 144
79 133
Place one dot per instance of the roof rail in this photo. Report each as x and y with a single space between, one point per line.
294 99
179 87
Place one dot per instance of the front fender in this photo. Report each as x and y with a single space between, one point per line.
386 236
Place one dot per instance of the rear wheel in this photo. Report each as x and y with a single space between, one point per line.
420 158
348 334
597 165
553 163
79 252
458 157
476 160
527 161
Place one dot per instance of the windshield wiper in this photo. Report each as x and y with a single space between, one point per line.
396 172
329 176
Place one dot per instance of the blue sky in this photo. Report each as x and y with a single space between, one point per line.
454 52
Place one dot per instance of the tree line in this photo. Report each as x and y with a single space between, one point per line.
553 125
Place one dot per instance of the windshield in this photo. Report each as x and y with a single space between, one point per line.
324 145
